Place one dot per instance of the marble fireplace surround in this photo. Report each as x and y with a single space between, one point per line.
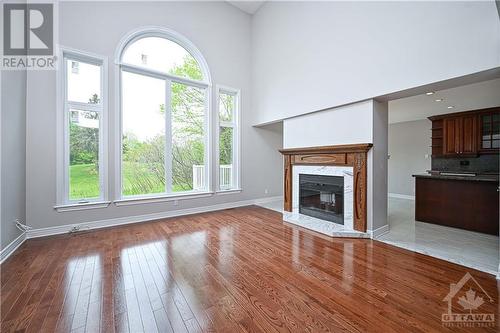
325 170
349 161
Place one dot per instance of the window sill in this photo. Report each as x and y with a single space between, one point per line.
230 191
82 206
165 198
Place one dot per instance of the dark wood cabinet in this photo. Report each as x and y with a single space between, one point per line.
451 132
460 135
465 204
489 125
437 137
466 133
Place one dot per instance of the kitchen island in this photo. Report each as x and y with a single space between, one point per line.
465 202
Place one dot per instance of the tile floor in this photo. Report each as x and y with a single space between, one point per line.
467 248
470 249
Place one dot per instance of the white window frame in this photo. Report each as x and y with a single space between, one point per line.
64 203
130 38
236 126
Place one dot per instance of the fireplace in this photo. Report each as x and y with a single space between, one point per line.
341 199
322 197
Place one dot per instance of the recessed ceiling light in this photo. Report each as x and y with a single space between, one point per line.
439 100
429 93
450 107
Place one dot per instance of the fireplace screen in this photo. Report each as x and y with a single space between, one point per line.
322 197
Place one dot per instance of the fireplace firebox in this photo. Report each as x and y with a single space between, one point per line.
322 197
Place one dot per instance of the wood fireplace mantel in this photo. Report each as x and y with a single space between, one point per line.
341 155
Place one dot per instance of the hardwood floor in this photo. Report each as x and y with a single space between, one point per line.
234 270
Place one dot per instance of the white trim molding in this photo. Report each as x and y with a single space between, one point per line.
375 234
62 121
82 206
401 196
165 198
205 85
235 124
50 231
265 200
12 247
162 32
231 191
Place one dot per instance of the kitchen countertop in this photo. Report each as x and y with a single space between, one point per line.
478 178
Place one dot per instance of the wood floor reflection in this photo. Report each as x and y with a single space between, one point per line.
235 270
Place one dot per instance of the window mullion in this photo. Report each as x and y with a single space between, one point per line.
207 136
226 124
66 153
168 137
71 105
233 143
85 106
65 137
235 152
164 76
102 142
236 141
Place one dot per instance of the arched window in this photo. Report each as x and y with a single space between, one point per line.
164 103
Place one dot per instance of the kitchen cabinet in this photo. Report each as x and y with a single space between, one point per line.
460 135
466 134
451 140
469 203
490 132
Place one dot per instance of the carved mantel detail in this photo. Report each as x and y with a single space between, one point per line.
341 155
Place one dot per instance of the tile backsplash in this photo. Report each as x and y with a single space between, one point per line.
480 164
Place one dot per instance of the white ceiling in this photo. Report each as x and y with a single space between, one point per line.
464 98
249 7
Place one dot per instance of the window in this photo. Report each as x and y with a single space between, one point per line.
82 162
164 116
228 103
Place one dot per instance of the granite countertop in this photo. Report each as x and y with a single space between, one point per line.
478 178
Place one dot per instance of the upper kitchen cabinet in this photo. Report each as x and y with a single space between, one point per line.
460 135
490 132
466 133
451 136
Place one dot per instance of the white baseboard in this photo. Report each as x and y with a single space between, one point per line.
267 200
50 231
379 231
9 249
401 196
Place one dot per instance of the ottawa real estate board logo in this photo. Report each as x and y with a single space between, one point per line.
28 36
466 299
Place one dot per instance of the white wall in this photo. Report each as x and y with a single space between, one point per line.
13 153
377 167
219 30
310 56
364 122
409 143
344 125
